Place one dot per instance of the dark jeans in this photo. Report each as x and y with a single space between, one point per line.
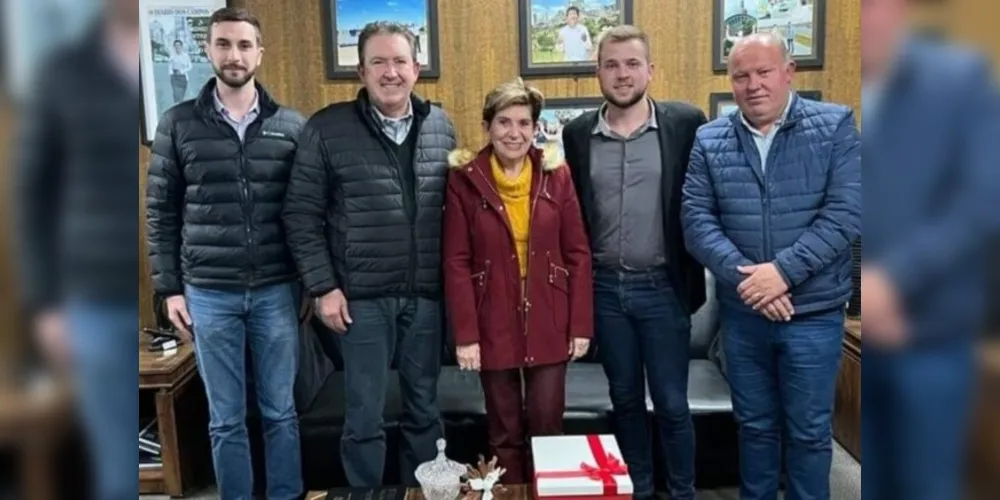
916 405
224 322
783 378
517 410
641 329
105 348
412 325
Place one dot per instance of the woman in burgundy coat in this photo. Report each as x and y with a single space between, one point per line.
517 274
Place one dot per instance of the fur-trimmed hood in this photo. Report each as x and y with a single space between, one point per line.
551 156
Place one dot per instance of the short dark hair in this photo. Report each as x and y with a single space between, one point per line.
573 8
235 15
384 28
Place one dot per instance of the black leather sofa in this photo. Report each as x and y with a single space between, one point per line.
588 410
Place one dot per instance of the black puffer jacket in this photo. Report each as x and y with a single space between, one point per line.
213 204
358 220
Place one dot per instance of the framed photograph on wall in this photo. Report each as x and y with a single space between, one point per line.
800 23
173 65
344 20
560 37
557 113
723 103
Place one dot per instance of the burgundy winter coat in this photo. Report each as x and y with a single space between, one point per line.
482 279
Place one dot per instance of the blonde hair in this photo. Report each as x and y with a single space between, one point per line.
623 33
513 93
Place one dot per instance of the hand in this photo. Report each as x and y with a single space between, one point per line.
763 285
177 312
780 309
332 309
883 322
578 348
50 333
468 357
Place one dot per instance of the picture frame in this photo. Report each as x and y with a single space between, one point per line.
343 21
723 103
173 65
545 24
557 112
805 20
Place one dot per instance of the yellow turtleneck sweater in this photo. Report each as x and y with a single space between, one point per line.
516 196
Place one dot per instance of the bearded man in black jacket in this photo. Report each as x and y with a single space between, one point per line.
363 218
217 178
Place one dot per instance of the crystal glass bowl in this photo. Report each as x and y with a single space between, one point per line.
441 478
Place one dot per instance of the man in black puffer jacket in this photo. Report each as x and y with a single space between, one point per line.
217 179
363 216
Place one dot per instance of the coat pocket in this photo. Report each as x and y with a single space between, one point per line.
480 289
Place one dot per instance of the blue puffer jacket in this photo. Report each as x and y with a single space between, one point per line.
802 213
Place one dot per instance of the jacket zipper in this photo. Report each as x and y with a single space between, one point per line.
766 198
245 190
525 302
409 198
527 257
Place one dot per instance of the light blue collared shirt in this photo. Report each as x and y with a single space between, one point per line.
764 141
240 126
396 129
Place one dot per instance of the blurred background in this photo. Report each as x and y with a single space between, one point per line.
43 450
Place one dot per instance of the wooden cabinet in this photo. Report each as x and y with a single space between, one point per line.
170 376
847 406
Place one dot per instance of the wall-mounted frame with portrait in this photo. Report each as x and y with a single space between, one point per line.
173 65
343 21
557 113
801 23
723 103
560 37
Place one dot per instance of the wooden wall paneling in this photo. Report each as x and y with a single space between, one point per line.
479 48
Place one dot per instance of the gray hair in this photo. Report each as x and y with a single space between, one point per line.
767 39
384 28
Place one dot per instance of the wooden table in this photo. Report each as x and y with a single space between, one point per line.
170 375
985 436
34 424
847 406
516 492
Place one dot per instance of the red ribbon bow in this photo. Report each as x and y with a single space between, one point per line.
608 466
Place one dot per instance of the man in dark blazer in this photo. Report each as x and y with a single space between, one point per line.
626 157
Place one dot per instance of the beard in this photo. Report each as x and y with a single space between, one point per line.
233 82
626 103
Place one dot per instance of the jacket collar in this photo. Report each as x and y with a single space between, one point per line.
794 112
476 167
205 102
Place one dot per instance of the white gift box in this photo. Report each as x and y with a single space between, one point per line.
580 466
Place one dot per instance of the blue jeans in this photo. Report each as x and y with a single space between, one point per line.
916 405
641 329
412 325
105 350
783 378
224 322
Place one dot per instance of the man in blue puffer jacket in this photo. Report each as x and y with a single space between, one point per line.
771 206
